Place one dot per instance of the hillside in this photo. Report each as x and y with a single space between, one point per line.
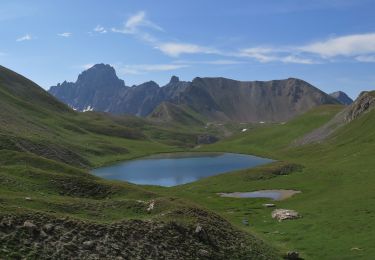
52 208
215 99
44 179
335 177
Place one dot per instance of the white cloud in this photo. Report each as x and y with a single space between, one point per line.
211 62
360 47
296 59
261 54
135 22
86 66
65 34
144 68
266 54
176 49
26 37
136 25
366 58
349 45
224 62
100 29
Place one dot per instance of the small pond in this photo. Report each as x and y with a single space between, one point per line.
177 168
270 194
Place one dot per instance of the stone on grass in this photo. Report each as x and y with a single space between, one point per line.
283 214
151 206
28 224
292 255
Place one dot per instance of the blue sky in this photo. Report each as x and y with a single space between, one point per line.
329 43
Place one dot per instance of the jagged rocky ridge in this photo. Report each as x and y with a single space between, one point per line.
217 99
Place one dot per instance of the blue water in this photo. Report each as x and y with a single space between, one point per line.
275 195
178 168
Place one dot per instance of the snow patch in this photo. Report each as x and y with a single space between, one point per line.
88 108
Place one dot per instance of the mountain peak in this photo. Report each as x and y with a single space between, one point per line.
100 68
174 79
342 97
103 73
94 88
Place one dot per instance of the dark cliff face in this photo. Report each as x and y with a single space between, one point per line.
94 89
217 99
342 97
137 100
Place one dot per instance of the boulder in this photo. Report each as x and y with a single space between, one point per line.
88 244
29 225
203 253
283 214
292 255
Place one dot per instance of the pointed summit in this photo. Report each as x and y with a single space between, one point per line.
94 88
342 97
174 79
102 72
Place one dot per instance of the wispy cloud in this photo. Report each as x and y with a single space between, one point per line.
224 62
135 22
359 47
86 66
65 34
174 49
366 58
26 37
145 68
137 25
211 62
349 45
100 29
266 54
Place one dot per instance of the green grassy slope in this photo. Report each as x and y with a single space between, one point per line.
171 113
45 151
336 178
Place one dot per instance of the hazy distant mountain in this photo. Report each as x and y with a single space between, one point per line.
342 97
219 99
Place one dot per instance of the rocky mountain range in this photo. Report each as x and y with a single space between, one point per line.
214 99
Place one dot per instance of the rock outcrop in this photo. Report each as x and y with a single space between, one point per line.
363 104
284 214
